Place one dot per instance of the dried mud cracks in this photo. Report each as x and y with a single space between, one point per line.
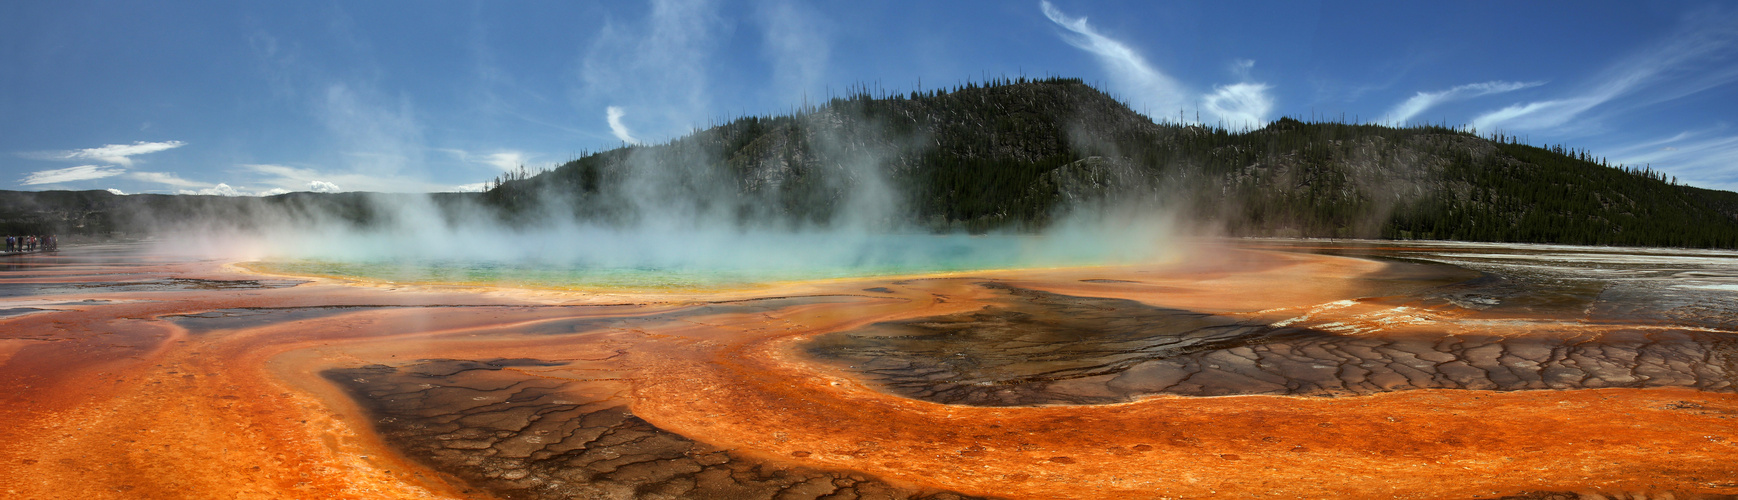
1046 348
525 437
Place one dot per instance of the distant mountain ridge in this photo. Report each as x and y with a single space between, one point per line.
1017 155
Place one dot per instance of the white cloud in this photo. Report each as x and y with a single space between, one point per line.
475 187
1425 100
117 192
289 177
166 178
1539 114
295 176
505 160
220 189
1695 59
614 115
1146 86
70 174
307 179
1241 67
1241 105
375 137
117 154
1702 158
282 186
657 68
200 188
1633 149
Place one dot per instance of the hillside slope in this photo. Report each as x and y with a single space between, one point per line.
1017 155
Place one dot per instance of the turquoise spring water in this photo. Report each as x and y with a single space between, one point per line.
584 277
734 265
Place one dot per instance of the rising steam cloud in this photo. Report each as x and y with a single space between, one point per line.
676 209
668 207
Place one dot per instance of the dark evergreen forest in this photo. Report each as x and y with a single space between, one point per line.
1016 154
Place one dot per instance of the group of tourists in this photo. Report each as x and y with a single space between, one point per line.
16 244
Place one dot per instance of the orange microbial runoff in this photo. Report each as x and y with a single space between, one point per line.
1252 368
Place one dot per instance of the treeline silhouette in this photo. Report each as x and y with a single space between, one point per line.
1017 154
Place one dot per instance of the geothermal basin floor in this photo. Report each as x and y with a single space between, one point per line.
1254 368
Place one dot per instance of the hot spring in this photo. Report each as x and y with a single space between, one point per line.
696 261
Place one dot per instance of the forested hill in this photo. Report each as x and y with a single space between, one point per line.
1018 154
1014 154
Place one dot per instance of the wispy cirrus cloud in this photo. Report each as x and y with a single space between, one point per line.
1422 101
379 134
498 94
657 67
189 187
1695 59
1128 70
69 174
167 179
116 158
284 180
108 153
614 114
1544 114
1704 158
287 177
375 134
1240 105
291 178
115 154
505 160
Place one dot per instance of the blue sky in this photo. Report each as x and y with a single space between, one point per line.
265 97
